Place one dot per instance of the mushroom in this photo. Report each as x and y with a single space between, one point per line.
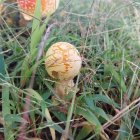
63 63
27 7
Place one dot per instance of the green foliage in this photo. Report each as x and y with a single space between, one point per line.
8 134
107 35
84 132
87 114
2 68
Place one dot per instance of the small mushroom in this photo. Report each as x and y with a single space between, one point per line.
27 7
63 63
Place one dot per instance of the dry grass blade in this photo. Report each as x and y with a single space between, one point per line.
130 107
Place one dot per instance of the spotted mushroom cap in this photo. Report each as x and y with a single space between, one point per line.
27 7
63 61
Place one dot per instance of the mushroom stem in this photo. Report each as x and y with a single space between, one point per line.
63 87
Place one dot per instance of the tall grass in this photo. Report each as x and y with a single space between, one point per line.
105 104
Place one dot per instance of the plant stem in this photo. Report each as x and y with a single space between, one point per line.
65 134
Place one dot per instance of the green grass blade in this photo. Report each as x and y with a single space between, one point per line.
88 115
84 132
8 134
2 68
35 27
117 78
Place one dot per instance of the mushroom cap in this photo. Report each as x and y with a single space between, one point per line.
63 61
27 7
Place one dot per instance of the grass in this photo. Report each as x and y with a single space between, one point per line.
107 35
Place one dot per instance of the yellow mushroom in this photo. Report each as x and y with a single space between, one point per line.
63 63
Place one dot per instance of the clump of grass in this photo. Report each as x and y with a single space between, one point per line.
107 35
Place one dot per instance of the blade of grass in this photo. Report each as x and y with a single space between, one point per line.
37 30
35 27
120 81
45 110
8 134
65 134
2 69
84 132
131 106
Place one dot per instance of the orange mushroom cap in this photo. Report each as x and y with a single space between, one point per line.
63 61
28 7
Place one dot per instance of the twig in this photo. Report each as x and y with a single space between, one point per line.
130 107
27 99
